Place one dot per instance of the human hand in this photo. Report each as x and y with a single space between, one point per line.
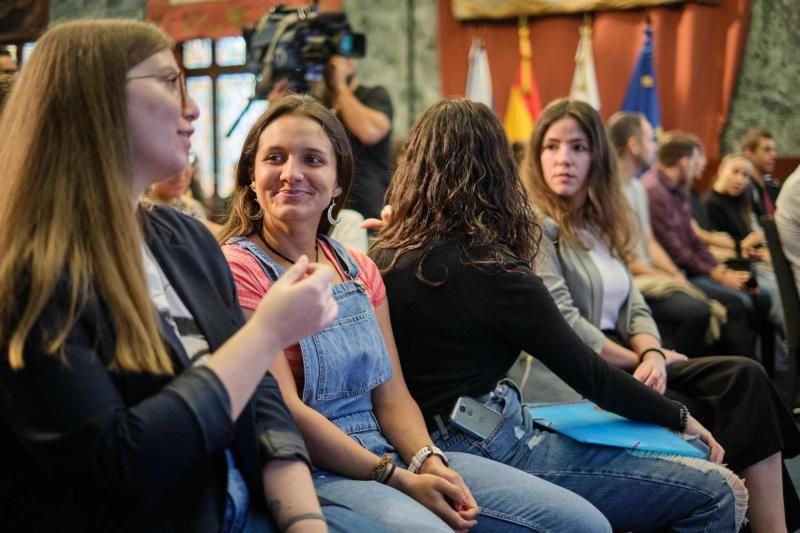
652 372
753 239
298 304
279 90
467 507
716 452
336 73
733 279
674 357
679 276
436 493
759 254
373 224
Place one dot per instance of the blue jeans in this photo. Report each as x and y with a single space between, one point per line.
747 315
510 500
634 490
339 520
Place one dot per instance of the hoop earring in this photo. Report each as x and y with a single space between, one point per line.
331 220
259 214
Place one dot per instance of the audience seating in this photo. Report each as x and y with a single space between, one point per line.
790 301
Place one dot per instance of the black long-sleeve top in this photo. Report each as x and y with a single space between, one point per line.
88 448
724 214
462 336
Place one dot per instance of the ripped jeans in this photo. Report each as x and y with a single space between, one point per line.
634 490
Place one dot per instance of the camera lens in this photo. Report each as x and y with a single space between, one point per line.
462 408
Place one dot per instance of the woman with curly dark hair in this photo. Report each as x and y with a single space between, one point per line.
464 301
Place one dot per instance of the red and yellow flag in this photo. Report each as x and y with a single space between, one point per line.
523 101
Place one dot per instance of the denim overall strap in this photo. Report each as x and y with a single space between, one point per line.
343 362
272 269
347 264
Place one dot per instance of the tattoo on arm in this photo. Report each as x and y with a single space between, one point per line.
274 506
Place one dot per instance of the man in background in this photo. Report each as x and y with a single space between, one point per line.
759 147
681 311
366 112
679 157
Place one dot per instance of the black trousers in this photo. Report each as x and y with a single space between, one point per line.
682 322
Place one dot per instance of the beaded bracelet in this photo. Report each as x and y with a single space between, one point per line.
387 473
380 467
656 350
684 415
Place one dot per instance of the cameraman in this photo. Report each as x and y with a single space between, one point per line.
366 113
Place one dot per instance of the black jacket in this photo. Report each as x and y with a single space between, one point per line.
86 448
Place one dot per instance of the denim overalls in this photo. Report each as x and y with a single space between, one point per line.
342 364
345 361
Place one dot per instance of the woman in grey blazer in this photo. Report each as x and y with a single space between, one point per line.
570 176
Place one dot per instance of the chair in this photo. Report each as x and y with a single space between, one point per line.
789 299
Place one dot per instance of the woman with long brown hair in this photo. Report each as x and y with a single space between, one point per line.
127 371
571 177
457 259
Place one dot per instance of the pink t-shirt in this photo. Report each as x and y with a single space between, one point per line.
252 284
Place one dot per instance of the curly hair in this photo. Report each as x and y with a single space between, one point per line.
458 177
606 211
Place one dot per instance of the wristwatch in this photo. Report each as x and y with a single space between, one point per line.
422 455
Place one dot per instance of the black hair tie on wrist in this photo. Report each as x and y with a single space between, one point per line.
659 351
299 518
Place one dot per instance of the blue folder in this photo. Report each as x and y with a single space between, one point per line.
583 421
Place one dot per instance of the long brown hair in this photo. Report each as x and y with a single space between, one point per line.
606 212
243 218
65 197
458 177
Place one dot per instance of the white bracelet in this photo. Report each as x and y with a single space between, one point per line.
422 455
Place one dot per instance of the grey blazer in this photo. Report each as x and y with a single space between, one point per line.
577 288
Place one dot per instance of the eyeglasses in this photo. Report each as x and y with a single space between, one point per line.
175 81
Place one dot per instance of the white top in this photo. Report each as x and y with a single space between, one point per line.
614 275
173 310
636 195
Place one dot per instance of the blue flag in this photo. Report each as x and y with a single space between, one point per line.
642 94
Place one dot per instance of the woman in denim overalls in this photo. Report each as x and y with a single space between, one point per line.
293 176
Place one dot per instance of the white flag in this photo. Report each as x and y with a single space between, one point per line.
479 78
584 82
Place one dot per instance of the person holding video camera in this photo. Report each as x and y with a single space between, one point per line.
366 113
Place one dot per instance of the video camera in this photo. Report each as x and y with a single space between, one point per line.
296 44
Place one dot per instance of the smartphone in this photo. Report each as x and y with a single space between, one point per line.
474 418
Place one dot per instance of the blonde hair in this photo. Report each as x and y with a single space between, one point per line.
606 211
65 192
745 200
